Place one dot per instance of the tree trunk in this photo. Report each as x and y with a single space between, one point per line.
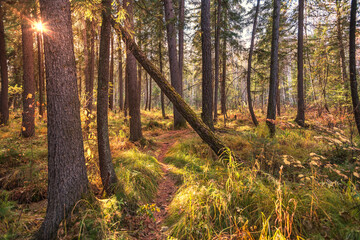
341 44
146 92
121 80
207 86
223 81
162 93
195 122
300 117
28 115
353 82
133 85
278 97
150 92
181 38
67 179
107 172
41 74
179 121
274 69
90 66
248 84
4 74
111 76
217 57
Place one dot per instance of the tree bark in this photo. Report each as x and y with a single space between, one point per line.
107 172
4 106
111 75
341 43
179 121
353 81
248 77
274 69
217 57
28 115
207 86
41 73
162 93
195 122
181 38
150 92
133 84
90 66
278 97
300 117
121 79
67 179
223 81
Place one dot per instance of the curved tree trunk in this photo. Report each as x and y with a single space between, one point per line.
300 117
353 81
67 179
28 115
248 84
195 122
207 87
108 176
274 69
4 74
179 121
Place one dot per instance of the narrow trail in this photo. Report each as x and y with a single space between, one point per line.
166 189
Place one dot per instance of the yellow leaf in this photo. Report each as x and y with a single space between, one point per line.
356 174
23 128
29 96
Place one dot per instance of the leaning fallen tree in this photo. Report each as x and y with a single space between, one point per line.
195 122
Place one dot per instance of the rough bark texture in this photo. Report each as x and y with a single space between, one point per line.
41 73
121 79
248 77
195 122
179 121
111 75
181 38
28 115
300 117
207 86
223 81
107 172
274 69
67 179
4 106
162 93
133 83
90 67
217 57
353 81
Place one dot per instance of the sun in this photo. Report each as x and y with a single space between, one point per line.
39 26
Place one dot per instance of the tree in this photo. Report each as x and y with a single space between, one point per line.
121 79
41 72
353 81
248 77
207 88
179 121
274 69
107 172
90 70
300 117
111 74
181 38
28 115
217 54
4 98
134 86
195 122
67 179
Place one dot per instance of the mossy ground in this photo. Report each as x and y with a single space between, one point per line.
304 183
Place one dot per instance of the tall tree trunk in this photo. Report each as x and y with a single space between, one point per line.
300 117
41 73
146 93
150 92
162 93
341 43
179 121
274 69
90 66
223 81
181 38
207 86
67 179
28 115
195 122
217 57
4 106
248 84
353 81
121 80
111 76
278 97
133 84
107 172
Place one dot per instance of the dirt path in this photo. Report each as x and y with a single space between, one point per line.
155 229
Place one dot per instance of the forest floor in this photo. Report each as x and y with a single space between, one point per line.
302 184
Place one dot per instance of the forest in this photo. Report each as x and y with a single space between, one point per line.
186 119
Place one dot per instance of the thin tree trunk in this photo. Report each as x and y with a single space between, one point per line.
41 73
274 69
150 92
28 115
223 81
67 178
162 93
278 97
90 66
181 38
341 43
207 86
300 117
111 75
4 106
248 78
121 80
179 121
146 93
195 122
107 172
353 81
217 57
133 84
